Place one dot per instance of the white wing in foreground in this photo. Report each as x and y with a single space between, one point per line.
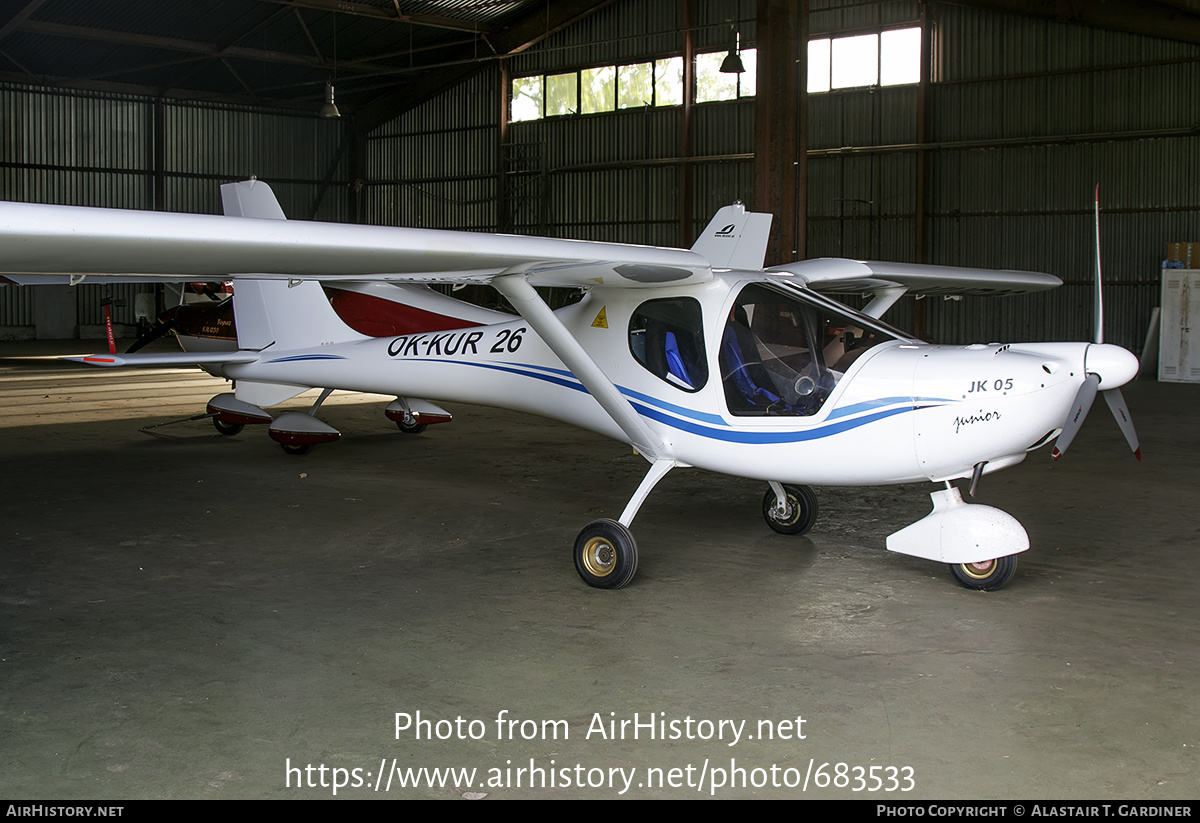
40 239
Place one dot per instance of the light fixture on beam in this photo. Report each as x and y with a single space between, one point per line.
330 110
732 64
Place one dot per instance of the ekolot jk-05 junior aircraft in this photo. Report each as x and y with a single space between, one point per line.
696 358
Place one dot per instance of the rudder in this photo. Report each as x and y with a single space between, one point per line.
288 314
735 238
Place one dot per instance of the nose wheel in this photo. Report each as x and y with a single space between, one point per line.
986 575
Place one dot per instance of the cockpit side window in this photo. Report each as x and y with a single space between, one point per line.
782 356
667 337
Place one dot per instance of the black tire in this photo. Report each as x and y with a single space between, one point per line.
411 428
296 450
606 555
227 429
987 575
801 513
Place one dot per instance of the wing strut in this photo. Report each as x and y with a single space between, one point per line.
883 299
548 327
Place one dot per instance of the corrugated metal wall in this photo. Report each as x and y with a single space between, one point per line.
91 149
1026 117
600 176
435 167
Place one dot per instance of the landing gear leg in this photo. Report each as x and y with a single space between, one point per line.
606 555
316 407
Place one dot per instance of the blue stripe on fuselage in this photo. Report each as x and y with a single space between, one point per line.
566 379
300 357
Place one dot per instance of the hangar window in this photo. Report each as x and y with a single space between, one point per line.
635 85
668 81
562 94
712 85
597 90
667 337
601 89
526 101
889 58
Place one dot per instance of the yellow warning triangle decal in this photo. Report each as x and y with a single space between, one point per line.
601 321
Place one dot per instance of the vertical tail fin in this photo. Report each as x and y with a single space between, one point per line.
291 314
250 198
735 238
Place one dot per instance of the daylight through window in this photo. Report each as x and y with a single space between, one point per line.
891 58
633 85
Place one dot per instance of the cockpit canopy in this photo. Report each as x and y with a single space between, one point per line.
782 349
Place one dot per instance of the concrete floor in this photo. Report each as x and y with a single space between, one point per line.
184 616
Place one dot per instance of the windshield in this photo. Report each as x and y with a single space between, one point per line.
782 354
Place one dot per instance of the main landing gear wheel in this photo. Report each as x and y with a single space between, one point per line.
227 429
799 515
411 428
606 555
296 450
986 575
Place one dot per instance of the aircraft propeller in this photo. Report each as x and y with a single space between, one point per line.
1099 361
1083 403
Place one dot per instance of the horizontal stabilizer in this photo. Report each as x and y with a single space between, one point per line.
182 358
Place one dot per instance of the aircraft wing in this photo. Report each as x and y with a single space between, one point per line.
74 278
838 276
56 240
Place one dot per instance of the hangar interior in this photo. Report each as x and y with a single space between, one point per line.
989 159
270 614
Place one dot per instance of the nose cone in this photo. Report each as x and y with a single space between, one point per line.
1114 365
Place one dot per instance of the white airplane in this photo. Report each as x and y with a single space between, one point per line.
696 358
